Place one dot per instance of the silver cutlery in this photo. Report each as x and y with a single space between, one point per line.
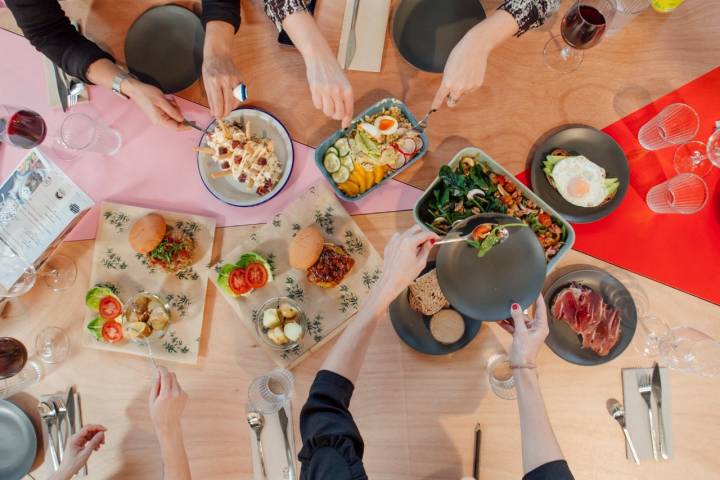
282 415
423 123
61 419
49 416
256 422
193 125
476 452
657 393
617 411
76 89
645 390
351 46
78 426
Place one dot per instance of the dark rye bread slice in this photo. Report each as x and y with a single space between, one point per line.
426 297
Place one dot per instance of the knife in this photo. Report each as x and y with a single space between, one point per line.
657 393
352 38
61 88
288 453
78 426
70 405
476 452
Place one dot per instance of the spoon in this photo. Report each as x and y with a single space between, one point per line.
49 416
256 422
617 411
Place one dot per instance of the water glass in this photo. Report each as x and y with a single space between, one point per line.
625 10
713 148
501 377
676 124
52 345
685 193
269 393
81 133
691 351
29 375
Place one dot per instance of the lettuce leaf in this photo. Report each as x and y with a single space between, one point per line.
611 185
95 327
366 144
243 262
253 257
95 294
223 276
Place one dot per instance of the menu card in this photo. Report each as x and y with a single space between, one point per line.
38 205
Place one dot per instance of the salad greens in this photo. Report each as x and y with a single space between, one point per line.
243 262
494 237
95 327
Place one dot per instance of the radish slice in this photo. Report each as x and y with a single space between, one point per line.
407 146
418 143
400 160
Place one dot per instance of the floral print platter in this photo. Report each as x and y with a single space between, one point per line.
326 310
118 267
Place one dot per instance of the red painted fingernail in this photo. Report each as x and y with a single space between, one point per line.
515 306
432 241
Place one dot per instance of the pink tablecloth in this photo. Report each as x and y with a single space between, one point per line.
155 168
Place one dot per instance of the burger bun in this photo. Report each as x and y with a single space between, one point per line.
306 247
147 233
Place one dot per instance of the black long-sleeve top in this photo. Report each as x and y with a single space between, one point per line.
333 447
49 30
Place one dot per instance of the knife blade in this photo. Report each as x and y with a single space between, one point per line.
657 393
351 46
476 452
288 453
78 426
61 88
70 405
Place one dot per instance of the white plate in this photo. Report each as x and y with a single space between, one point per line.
227 189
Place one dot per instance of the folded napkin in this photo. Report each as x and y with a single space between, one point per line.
370 27
636 416
53 93
273 444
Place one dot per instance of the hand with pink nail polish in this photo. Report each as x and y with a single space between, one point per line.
528 334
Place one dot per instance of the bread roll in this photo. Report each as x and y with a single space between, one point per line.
147 232
447 326
305 248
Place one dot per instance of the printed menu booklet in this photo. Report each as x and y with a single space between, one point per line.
39 204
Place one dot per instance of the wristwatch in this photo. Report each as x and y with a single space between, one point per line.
117 83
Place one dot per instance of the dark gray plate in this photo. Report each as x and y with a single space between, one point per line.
597 146
426 31
485 288
164 47
18 443
414 328
565 342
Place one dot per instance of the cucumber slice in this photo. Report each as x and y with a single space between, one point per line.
332 150
348 163
343 147
331 163
341 176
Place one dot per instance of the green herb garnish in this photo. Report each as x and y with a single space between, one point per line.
496 235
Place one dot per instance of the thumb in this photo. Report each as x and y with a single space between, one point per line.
170 109
518 318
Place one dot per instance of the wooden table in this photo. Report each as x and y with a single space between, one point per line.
416 413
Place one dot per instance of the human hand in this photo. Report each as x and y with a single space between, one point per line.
405 257
151 100
331 91
167 402
220 75
464 70
78 450
528 333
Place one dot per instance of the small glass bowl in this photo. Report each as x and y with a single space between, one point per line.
156 334
262 331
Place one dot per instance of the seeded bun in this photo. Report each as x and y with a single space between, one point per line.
306 247
447 326
147 232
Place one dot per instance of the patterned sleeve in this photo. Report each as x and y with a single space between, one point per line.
529 13
278 10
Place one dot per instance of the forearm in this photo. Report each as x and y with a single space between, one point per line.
174 457
218 38
347 355
103 72
305 34
539 445
495 29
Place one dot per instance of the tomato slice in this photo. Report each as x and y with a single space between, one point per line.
237 282
112 331
256 275
110 307
545 219
479 232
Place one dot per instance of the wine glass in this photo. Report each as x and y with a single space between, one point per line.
21 127
52 345
582 27
692 157
17 275
59 272
647 337
691 351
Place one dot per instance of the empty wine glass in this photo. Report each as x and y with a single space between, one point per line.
676 124
59 272
582 27
52 345
684 193
692 157
269 393
691 351
17 275
713 148
647 336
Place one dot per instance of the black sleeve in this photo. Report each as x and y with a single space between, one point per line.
223 10
49 30
557 470
332 445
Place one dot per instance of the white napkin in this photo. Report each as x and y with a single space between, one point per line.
370 27
273 445
636 416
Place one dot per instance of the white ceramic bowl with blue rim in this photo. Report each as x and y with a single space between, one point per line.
227 189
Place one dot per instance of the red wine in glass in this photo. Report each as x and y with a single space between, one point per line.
13 356
583 26
23 128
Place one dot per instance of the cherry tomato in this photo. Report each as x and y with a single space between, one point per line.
110 307
544 219
480 230
256 275
112 331
238 284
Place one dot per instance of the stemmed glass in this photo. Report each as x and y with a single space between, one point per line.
698 157
582 27
21 127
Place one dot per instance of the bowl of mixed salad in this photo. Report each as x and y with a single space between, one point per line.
378 145
472 183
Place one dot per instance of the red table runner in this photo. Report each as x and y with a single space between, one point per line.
682 251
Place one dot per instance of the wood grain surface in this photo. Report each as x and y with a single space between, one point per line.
416 413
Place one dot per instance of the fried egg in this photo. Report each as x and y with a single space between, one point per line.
580 181
386 124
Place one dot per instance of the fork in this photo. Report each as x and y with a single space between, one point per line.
645 389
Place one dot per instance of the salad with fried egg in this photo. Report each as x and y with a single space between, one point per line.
579 180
